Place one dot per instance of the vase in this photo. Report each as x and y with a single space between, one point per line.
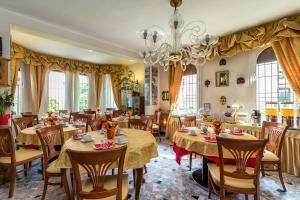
111 133
4 119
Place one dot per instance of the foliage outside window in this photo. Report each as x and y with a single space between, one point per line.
83 92
56 91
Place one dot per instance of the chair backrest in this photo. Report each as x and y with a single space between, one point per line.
241 151
7 144
88 109
63 112
91 112
95 124
137 124
48 136
21 123
82 117
157 115
117 113
275 132
30 114
97 164
187 121
149 121
71 115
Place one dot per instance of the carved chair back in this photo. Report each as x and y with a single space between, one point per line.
7 144
21 123
95 124
137 124
187 121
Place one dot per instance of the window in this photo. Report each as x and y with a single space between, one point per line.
187 98
18 95
107 96
56 91
83 92
272 89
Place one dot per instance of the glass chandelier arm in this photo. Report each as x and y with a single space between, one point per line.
195 31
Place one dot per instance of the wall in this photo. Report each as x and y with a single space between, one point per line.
139 72
242 65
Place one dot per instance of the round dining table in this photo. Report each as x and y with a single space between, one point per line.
184 144
141 148
28 136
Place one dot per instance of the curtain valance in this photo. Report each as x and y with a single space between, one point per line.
63 64
259 36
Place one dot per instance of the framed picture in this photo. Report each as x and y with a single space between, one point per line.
206 107
222 78
3 71
165 96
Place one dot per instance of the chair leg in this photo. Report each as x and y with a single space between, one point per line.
12 183
45 187
246 196
222 194
145 168
262 170
191 160
113 172
281 178
25 169
209 187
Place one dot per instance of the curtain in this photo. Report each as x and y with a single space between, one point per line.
116 90
92 95
45 95
107 96
15 63
287 52
38 76
27 105
69 91
175 77
75 106
98 86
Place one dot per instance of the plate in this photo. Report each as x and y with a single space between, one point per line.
184 130
210 139
84 141
78 136
123 142
103 146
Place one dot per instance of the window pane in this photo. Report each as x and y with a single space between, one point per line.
83 92
18 95
56 91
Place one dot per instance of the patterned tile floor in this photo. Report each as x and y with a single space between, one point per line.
165 180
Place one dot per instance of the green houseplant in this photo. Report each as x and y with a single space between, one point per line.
6 101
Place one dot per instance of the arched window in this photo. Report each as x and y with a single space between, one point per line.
83 91
272 90
187 98
56 91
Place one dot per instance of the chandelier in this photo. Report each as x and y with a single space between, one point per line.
164 50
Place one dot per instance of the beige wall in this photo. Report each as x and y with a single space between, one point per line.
139 72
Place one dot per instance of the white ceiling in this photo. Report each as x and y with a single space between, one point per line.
115 22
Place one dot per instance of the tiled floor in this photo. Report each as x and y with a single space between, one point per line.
165 180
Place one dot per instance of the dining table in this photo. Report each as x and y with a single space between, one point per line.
141 148
205 145
28 136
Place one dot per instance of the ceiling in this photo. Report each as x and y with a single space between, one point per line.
115 22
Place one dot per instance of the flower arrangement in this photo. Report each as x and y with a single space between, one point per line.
111 127
217 126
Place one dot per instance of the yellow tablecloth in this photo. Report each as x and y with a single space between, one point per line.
141 148
290 156
122 123
29 136
198 144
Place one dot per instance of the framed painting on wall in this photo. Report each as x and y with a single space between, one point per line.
206 107
4 71
222 78
165 96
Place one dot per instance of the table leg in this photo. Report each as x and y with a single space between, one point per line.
201 175
67 183
138 182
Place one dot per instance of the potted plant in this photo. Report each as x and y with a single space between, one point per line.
6 101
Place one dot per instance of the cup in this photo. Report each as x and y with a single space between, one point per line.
120 139
87 138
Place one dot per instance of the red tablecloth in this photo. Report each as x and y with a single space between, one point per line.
180 152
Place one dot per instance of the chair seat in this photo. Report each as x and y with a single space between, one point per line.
23 156
229 181
269 156
52 169
110 182
155 126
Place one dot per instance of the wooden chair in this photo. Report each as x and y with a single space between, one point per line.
93 113
275 132
98 185
117 113
83 118
21 123
156 124
188 121
30 114
63 112
72 115
47 138
137 124
95 124
149 119
88 109
236 178
10 158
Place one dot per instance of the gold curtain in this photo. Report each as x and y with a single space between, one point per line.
287 52
257 37
98 87
15 64
175 77
116 90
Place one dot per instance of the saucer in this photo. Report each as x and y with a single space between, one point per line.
121 142
86 141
